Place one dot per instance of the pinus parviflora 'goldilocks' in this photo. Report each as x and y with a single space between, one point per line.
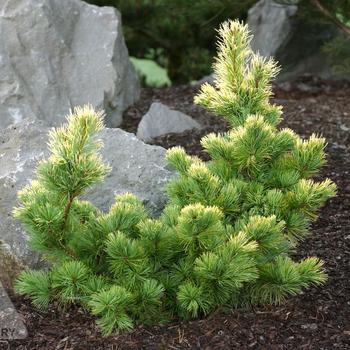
225 234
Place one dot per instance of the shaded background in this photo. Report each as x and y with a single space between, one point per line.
179 35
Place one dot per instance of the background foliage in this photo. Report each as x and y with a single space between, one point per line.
150 72
178 34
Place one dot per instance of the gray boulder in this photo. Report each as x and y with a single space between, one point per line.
56 54
270 24
136 167
161 120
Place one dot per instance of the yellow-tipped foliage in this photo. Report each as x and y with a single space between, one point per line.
225 236
242 79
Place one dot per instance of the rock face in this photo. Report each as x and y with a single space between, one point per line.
295 42
57 54
137 168
161 120
270 24
11 325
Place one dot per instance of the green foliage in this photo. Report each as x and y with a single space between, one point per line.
36 284
179 33
111 306
338 50
333 9
151 73
225 236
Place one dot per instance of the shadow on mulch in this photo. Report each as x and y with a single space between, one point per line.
318 319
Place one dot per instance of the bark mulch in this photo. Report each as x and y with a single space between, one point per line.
317 319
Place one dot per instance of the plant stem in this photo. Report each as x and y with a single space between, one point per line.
67 208
328 14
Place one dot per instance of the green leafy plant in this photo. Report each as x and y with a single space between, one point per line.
151 73
226 234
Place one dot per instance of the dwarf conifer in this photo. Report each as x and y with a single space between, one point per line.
228 230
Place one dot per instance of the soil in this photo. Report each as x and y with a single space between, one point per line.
317 319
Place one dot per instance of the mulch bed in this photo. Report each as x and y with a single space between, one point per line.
318 319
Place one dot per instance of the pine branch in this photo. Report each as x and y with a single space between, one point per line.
323 9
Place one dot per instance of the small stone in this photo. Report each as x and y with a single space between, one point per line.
161 120
344 127
310 326
210 79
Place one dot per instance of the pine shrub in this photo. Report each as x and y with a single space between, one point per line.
228 230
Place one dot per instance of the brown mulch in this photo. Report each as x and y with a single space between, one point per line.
317 319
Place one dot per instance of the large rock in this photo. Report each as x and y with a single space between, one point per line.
296 42
161 120
270 24
57 54
136 167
